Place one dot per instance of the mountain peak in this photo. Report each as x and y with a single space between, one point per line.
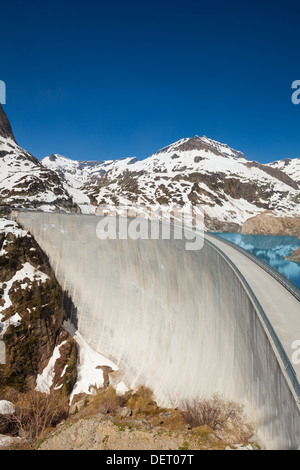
202 143
5 127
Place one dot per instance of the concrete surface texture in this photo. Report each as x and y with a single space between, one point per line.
178 321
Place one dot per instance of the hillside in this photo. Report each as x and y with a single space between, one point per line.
289 166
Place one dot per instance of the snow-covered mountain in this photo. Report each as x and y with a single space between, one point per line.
24 182
197 170
78 175
289 166
193 171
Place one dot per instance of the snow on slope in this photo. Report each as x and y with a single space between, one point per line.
79 173
90 374
24 182
25 276
289 166
193 171
200 171
73 175
44 381
76 175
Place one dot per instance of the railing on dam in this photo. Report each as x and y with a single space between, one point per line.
266 267
289 369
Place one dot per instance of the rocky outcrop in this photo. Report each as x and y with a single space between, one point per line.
295 256
135 422
102 433
5 127
269 223
31 315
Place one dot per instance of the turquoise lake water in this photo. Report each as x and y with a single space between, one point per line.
272 250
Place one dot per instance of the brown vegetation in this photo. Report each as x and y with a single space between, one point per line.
223 416
35 413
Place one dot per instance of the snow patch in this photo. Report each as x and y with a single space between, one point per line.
89 373
44 380
6 407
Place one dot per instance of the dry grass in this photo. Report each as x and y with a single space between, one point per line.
142 402
107 401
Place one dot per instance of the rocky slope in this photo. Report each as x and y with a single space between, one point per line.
31 315
289 166
107 421
102 433
271 223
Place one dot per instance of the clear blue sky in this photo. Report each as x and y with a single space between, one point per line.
106 79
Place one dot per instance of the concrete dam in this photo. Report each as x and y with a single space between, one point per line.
184 323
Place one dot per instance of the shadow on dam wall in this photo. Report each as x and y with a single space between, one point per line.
178 321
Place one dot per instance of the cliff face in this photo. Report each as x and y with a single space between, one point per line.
269 223
5 127
31 315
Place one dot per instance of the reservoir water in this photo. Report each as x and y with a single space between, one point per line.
272 250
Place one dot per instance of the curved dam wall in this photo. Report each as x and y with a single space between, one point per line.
178 321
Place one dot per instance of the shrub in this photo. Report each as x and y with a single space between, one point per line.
35 412
218 414
142 401
108 399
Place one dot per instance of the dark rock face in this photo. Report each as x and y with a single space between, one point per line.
5 127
